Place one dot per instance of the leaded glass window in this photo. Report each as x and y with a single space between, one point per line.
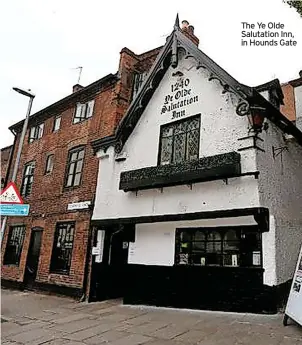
179 141
240 246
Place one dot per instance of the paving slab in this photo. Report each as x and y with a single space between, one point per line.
74 326
162 342
70 318
169 332
34 336
191 337
91 332
22 329
132 339
55 342
148 327
106 337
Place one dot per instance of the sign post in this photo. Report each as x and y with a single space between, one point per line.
294 304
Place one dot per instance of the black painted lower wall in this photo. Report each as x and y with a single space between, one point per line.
194 287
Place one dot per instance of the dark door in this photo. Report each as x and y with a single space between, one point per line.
107 278
33 258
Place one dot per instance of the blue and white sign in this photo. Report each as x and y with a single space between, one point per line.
14 209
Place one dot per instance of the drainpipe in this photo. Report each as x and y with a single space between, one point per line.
87 261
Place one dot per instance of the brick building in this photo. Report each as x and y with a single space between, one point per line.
292 107
5 162
57 178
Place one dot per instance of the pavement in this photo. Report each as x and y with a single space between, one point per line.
33 319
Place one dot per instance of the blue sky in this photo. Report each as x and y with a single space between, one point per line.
44 41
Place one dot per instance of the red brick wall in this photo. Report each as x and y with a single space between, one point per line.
288 109
5 155
48 199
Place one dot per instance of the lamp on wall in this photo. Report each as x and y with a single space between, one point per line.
256 118
255 115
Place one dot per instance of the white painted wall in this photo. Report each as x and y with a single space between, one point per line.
155 242
280 189
220 129
265 94
298 104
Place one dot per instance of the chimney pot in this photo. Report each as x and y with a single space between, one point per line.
76 88
188 31
191 28
185 24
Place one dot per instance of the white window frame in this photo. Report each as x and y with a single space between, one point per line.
57 123
35 132
83 111
49 163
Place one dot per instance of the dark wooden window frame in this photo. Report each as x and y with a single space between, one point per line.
48 157
29 177
242 230
174 123
69 162
18 238
64 268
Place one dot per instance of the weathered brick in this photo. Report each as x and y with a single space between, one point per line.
48 200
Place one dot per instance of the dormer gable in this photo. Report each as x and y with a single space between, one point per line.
178 45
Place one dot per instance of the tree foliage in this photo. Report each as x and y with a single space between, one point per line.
297 5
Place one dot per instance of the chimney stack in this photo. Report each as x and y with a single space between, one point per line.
76 88
184 25
188 31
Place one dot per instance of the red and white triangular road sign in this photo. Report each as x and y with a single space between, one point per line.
10 195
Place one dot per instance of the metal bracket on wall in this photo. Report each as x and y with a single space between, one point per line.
278 151
250 173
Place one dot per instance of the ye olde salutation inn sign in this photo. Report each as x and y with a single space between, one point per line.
181 95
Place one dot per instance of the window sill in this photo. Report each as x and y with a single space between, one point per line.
59 273
70 189
10 265
76 123
34 141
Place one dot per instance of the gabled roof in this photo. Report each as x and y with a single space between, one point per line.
169 57
7 148
297 82
273 86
